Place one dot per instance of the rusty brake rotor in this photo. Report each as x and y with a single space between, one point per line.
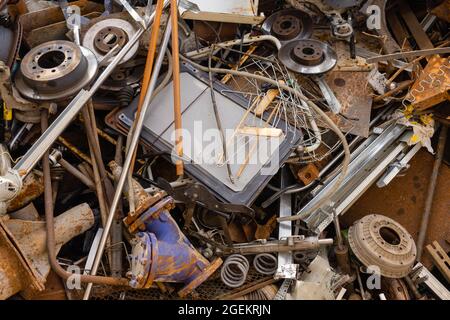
289 25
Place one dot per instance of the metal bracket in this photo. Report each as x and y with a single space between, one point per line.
196 193
328 94
423 275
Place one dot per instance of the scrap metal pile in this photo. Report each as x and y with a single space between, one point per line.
208 149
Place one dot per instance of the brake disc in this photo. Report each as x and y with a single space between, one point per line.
288 25
104 35
55 70
309 57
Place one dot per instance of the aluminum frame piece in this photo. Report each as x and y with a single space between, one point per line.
368 163
308 57
423 275
108 33
55 70
247 192
288 25
286 269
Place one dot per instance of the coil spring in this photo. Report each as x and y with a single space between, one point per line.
265 263
125 96
234 270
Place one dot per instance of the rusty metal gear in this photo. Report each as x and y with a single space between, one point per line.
379 241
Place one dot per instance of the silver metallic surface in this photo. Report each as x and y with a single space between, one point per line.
309 57
368 162
398 166
265 263
286 268
422 274
332 102
234 271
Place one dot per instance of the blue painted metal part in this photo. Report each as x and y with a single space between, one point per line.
170 256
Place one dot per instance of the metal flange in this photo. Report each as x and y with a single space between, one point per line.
288 25
309 57
55 70
104 35
379 241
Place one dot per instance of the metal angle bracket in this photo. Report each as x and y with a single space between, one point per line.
423 275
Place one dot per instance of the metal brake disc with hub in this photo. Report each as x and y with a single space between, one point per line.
308 57
288 25
104 35
55 70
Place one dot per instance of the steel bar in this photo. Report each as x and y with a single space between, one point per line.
431 191
408 54
77 174
286 268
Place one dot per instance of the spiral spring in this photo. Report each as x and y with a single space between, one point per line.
234 271
265 263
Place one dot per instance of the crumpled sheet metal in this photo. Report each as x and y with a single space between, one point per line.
433 85
24 262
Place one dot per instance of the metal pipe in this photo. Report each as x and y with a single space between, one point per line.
77 174
431 190
95 150
176 86
126 166
51 242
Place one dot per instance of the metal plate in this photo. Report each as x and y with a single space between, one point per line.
196 106
352 91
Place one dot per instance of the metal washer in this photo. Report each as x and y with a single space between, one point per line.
65 71
290 57
91 35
